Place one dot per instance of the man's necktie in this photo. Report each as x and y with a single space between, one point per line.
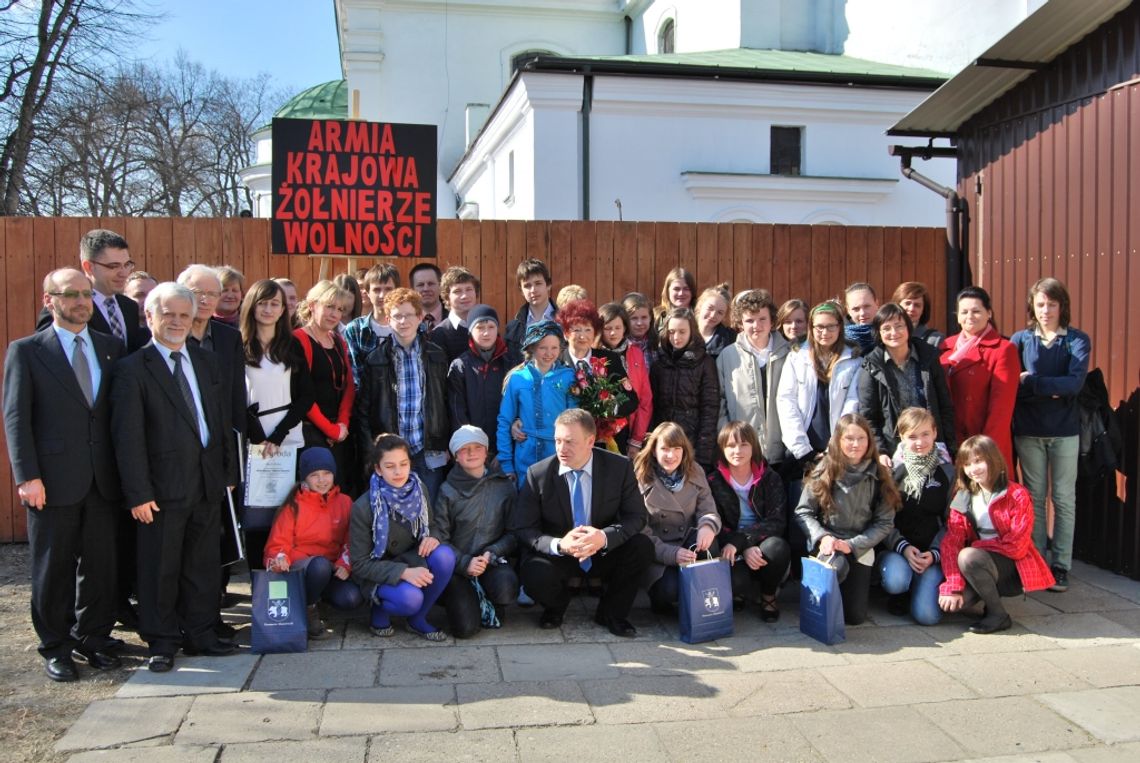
82 370
115 318
184 387
578 507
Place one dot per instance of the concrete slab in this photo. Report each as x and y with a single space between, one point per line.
628 744
192 675
516 705
357 636
315 670
373 711
955 638
776 693
1000 675
1117 753
1005 726
491 746
442 665
873 736
641 659
894 683
653 699
1108 714
519 627
869 644
113 722
1037 757
777 739
167 754
1129 619
1083 597
569 662
1101 666
581 629
1106 580
784 652
1077 630
340 750
252 717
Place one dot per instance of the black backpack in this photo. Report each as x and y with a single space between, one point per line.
1101 438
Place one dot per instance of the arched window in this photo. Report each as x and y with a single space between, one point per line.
667 37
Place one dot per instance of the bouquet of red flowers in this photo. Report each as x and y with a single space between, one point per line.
601 396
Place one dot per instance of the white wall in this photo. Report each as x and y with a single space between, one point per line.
698 151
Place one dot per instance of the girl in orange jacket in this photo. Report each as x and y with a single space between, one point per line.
310 533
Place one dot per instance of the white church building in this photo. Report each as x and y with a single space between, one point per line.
673 110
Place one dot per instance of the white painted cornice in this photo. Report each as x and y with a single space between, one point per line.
578 9
761 187
655 96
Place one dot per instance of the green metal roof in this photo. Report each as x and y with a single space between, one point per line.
775 62
325 101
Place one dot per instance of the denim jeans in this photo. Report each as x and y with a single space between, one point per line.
432 478
1045 462
898 577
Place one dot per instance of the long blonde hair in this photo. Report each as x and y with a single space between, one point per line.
323 292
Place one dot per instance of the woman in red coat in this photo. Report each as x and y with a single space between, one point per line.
988 551
615 337
983 372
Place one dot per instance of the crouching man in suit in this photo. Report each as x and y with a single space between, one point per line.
171 425
57 416
580 513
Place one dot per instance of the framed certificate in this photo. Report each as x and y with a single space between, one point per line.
268 479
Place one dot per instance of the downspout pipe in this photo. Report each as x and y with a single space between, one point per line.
587 106
956 220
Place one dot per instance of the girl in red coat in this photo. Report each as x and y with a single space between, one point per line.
988 549
983 372
310 534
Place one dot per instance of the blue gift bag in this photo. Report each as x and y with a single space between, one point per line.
821 606
277 612
705 600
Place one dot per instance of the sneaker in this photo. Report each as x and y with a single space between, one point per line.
1061 578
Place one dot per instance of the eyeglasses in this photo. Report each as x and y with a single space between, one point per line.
825 328
125 267
73 294
200 293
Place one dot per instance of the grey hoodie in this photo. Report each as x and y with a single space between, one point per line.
859 515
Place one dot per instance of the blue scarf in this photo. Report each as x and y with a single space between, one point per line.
861 335
673 481
407 503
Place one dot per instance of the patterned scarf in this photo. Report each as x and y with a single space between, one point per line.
407 503
861 335
918 468
673 480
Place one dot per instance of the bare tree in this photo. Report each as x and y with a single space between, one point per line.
40 46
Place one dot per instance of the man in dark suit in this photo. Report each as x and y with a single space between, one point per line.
105 260
171 425
57 417
580 513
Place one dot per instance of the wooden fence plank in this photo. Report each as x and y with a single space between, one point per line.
9 503
625 259
603 246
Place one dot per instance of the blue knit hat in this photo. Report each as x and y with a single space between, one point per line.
315 460
536 332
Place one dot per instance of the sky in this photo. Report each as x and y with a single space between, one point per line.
292 40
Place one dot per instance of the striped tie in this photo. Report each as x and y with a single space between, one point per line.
115 318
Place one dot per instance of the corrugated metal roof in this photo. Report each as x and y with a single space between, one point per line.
776 61
1036 41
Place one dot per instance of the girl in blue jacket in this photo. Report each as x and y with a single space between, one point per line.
535 393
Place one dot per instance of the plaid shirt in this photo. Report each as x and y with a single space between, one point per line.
410 384
361 340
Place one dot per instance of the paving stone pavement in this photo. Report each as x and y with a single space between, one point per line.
1062 686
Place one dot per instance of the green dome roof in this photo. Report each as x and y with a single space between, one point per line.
325 101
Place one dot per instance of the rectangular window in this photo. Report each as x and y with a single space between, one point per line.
787 148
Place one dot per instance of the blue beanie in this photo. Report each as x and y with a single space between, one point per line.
315 460
536 332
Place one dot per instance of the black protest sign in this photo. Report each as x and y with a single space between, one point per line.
362 189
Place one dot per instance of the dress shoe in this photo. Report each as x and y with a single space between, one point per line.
224 631
127 617
550 619
216 649
160 663
96 658
61 669
113 644
616 625
986 625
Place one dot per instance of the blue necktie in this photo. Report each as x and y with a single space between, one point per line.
578 507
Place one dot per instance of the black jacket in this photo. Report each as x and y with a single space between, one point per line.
475 389
920 520
686 390
768 498
227 347
879 396
722 337
137 335
375 409
516 328
451 339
